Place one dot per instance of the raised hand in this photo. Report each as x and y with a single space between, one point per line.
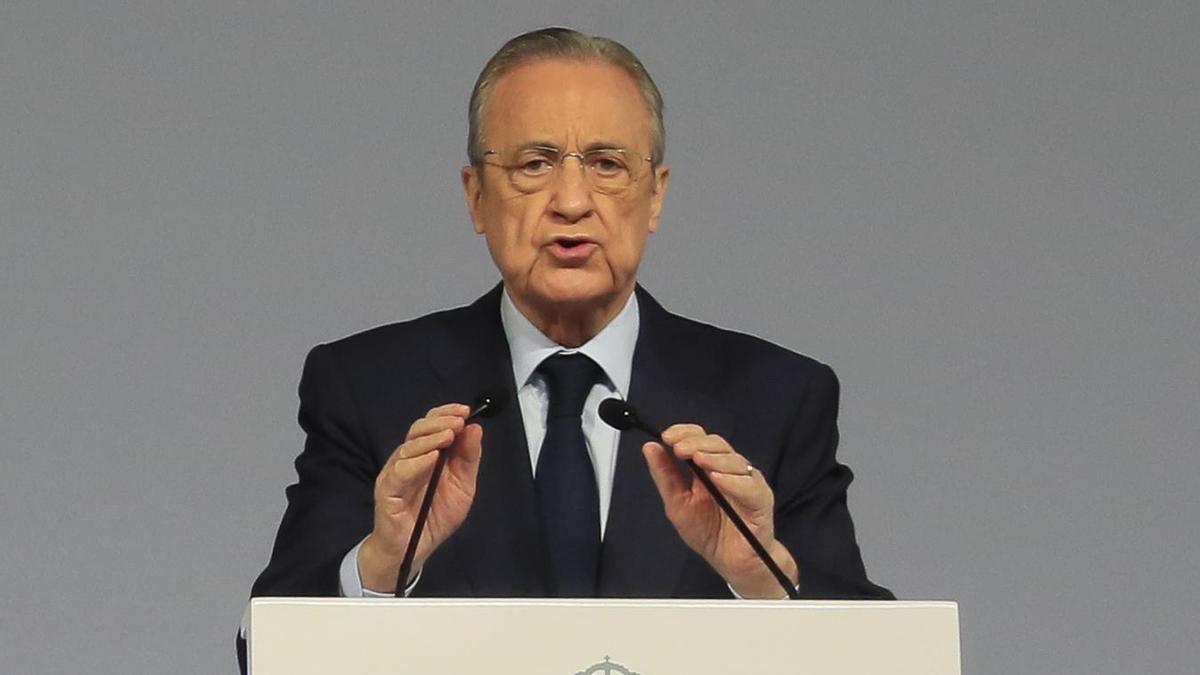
400 487
699 520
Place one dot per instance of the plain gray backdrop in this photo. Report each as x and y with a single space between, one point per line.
982 214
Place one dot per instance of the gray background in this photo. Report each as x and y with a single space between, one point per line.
982 214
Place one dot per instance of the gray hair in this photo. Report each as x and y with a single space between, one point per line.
568 44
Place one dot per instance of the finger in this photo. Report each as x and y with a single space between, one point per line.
445 410
431 425
405 481
729 463
747 495
665 473
424 444
677 432
705 443
456 409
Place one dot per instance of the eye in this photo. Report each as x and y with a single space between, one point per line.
535 166
607 164
534 162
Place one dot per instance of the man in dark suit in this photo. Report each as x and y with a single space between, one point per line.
566 183
358 393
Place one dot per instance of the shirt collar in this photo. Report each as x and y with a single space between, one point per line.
611 348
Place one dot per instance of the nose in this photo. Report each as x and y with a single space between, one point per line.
571 198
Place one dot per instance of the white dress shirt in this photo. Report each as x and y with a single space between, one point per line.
611 349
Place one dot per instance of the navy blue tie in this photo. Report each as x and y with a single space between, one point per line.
566 484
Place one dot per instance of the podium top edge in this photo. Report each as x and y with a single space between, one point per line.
607 602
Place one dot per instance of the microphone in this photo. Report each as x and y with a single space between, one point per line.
622 416
487 404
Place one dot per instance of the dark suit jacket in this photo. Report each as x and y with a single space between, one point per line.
359 395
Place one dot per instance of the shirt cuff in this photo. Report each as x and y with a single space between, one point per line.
350 584
739 597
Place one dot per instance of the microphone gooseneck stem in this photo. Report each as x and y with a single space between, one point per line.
727 508
419 527
410 552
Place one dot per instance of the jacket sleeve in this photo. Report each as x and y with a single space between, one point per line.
811 518
330 506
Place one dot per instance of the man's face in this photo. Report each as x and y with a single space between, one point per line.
566 247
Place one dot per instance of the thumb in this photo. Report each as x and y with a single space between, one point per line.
466 452
471 443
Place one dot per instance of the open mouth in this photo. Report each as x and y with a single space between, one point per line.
569 242
577 250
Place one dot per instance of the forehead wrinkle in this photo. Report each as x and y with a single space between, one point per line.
567 100
557 147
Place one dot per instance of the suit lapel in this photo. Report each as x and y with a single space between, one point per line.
643 555
499 546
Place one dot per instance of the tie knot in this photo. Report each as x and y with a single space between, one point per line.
569 378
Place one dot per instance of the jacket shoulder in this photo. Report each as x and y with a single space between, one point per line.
738 356
387 335
402 340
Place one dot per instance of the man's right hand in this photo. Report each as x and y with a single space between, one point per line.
400 487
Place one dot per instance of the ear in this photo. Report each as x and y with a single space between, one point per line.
662 178
473 191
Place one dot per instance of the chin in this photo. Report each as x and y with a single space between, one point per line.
575 290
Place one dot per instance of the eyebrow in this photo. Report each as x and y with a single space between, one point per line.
550 145
539 145
604 145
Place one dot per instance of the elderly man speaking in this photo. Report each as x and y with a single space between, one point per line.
566 184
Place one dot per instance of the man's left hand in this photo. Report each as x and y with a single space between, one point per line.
701 523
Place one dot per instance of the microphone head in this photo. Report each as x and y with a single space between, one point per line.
618 414
489 403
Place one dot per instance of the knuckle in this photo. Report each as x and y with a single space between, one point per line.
414 430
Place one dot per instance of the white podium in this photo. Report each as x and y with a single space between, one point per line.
298 636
